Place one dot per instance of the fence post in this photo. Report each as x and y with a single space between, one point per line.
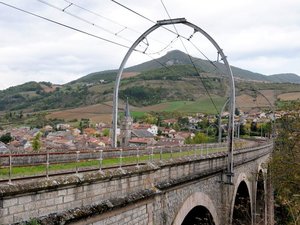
195 151
10 169
121 158
121 161
47 165
137 158
152 153
101 160
77 160
171 152
201 150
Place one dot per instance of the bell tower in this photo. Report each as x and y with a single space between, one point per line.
126 127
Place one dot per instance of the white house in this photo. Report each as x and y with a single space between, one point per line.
153 130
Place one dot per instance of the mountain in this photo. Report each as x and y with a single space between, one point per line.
177 57
168 78
285 78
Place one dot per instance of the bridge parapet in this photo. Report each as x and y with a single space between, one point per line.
78 197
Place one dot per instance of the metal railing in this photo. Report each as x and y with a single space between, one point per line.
21 166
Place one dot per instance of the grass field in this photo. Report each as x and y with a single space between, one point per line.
289 96
103 112
203 105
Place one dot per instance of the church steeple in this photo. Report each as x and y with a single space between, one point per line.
126 126
127 112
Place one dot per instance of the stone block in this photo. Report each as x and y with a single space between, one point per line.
50 202
58 200
25 215
7 220
30 206
69 198
80 195
3 212
62 192
10 202
87 201
47 210
16 209
25 199
71 191
75 204
62 207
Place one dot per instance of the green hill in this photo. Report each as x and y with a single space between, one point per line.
151 83
177 57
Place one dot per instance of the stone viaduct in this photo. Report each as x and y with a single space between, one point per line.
188 190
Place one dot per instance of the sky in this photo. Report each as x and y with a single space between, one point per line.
260 36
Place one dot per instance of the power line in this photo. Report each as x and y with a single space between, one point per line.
64 25
139 14
75 29
110 20
163 49
131 10
93 35
82 19
103 17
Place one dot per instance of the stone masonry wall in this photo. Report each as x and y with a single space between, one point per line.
40 198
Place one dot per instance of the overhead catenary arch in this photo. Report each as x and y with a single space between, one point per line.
194 200
223 58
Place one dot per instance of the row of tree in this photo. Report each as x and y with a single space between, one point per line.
285 167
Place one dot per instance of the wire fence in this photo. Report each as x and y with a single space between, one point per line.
15 166
38 165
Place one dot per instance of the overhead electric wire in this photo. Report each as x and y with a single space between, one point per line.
196 69
84 20
64 25
131 10
93 35
163 49
135 12
108 19
101 16
77 30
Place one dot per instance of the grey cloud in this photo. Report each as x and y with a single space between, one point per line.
251 33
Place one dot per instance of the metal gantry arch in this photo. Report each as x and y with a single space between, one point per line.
223 58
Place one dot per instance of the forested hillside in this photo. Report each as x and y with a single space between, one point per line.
149 83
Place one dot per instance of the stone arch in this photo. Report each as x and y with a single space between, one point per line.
242 183
197 199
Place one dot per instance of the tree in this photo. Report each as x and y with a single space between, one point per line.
84 123
150 119
6 138
36 142
285 167
106 132
237 112
183 122
198 139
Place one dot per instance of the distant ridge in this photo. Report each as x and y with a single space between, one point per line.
177 57
285 78
146 84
